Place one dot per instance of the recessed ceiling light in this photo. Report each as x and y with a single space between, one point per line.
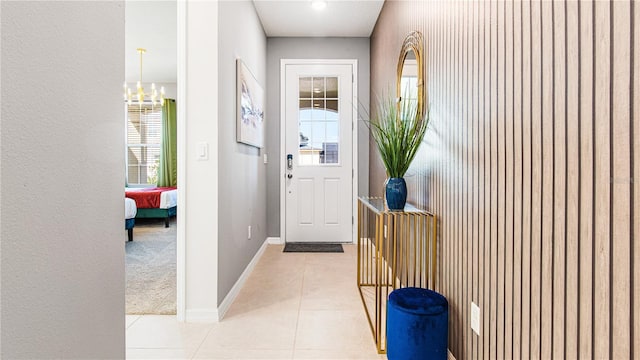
318 4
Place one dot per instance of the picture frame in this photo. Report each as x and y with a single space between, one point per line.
250 107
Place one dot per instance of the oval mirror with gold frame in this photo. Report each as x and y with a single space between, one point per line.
410 77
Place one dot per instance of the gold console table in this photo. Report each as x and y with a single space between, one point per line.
396 249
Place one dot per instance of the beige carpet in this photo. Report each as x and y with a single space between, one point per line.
151 268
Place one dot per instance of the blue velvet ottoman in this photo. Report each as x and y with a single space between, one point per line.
417 321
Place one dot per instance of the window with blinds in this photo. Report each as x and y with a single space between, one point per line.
144 132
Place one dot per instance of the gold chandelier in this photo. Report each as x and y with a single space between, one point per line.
154 97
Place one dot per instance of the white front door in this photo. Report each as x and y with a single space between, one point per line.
318 152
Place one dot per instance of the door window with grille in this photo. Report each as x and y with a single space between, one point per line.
319 121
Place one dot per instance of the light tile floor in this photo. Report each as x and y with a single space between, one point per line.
293 306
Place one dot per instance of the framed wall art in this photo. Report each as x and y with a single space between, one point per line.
250 107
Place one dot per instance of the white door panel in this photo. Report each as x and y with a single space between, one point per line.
318 136
306 205
331 201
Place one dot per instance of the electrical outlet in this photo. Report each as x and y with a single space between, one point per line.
475 318
249 232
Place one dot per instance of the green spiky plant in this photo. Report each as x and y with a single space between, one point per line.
398 129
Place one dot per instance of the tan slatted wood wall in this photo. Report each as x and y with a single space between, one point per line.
531 164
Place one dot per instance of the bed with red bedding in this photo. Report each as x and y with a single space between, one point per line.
154 202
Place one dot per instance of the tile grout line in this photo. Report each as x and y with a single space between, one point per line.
295 332
195 353
134 321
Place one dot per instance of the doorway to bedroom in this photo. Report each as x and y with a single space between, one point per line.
150 93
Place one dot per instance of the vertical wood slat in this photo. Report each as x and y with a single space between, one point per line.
601 322
548 150
457 14
509 180
486 131
464 117
622 182
460 91
469 173
500 173
572 290
450 103
636 182
436 185
458 206
559 179
435 25
464 145
526 179
482 210
446 74
475 83
518 193
493 294
536 182
587 209
450 93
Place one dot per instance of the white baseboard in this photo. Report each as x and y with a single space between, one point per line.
450 355
274 241
201 315
235 290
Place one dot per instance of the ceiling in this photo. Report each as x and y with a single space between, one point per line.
341 18
152 25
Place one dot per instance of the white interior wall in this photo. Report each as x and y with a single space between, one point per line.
201 181
62 250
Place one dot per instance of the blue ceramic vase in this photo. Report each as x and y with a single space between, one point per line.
396 194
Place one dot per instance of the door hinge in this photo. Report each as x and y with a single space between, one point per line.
352 220
353 173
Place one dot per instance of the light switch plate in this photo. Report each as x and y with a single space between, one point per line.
264 156
475 318
202 151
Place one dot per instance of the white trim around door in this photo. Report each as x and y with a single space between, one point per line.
181 237
354 132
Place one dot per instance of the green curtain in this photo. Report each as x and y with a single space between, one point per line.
168 167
